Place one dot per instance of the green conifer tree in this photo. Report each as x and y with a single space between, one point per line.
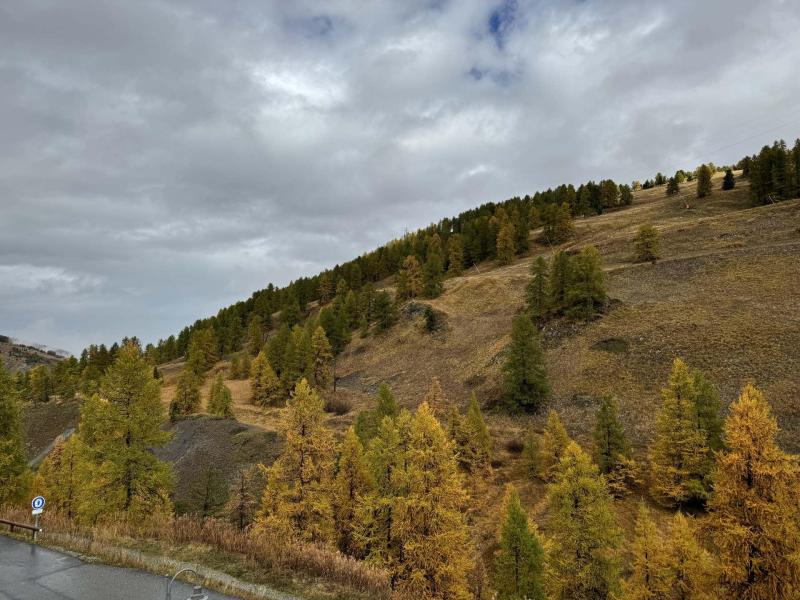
537 292
526 386
519 564
586 294
610 445
353 482
187 395
14 477
220 401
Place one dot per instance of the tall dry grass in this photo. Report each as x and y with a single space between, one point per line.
279 558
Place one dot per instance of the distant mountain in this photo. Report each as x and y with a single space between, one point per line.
18 356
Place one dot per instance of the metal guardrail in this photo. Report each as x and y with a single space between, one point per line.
12 524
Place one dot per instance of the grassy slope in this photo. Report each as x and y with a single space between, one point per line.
723 296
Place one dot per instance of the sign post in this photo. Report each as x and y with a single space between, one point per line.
37 504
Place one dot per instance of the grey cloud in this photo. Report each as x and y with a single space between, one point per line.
163 159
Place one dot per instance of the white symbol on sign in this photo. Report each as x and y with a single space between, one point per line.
37 503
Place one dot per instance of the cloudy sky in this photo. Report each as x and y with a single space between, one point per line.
161 159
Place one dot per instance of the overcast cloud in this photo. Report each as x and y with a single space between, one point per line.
161 160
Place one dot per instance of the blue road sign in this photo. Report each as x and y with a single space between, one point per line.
37 503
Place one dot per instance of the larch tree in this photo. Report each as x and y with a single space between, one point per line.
265 388
680 457
455 255
14 476
243 496
352 484
119 428
506 244
429 519
203 351
519 562
754 521
537 292
610 445
220 401
526 386
60 477
647 244
475 441
187 395
648 570
554 442
297 500
255 335
583 560
586 294
703 181
322 359
435 398
409 279
531 454
690 572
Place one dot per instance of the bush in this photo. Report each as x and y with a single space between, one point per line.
338 405
515 445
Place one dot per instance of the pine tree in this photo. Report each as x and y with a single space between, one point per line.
433 273
14 477
560 280
707 407
187 395
265 389
506 244
583 560
689 570
297 501
586 294
119 430
648 568
703 181
409 280
220 402
255 335
325 289
526 386
679 454
475 443
60 477
537 292
350 487
369 421
554 442
672 186
610 445
428 520
647 243
755 523
728 182
455 255
385 312
519 564
322 360
203 351
531 454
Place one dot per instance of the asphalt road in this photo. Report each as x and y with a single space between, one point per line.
29 572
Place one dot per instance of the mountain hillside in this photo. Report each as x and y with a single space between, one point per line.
15 356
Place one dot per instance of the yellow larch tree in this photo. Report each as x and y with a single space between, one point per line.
297 499
352 484
429 520
583 561
755 520
554 441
